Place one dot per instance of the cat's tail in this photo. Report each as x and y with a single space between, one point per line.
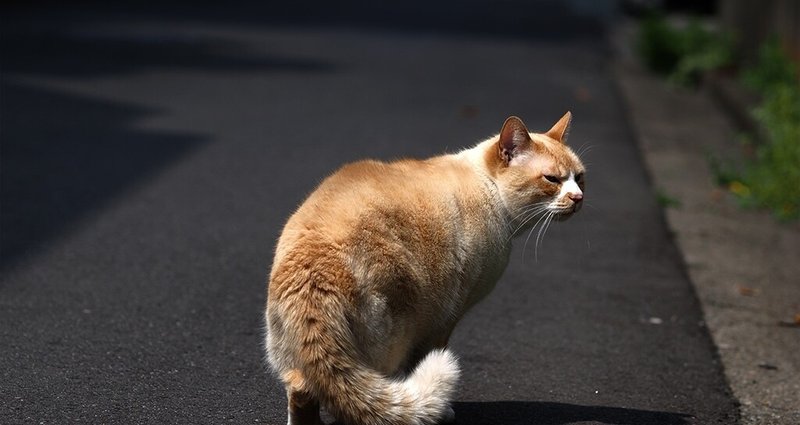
333 372
359 395
366 397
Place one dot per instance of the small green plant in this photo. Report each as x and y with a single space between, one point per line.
704 51
772 68
772 179
682 54
667 201
658 45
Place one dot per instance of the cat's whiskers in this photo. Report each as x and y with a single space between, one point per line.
528 208
525 211
540 235
584 149
546 217
531 211
530 215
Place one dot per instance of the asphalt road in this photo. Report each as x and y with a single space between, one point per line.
150 156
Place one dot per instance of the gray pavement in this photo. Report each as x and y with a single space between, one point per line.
150 157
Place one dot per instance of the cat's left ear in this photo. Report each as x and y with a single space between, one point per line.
560 130
513 137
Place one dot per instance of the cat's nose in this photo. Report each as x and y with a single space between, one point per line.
576 197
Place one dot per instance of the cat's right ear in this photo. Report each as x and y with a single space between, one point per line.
513 137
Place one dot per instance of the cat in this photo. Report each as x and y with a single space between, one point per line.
374 270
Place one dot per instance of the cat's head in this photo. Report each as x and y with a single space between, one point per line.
537 173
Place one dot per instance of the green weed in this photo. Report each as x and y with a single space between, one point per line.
682 54
667 201
773 177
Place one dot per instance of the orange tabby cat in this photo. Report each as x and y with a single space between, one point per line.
376 267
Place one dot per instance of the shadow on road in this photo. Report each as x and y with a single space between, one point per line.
546 413
84 54
543 20
63 154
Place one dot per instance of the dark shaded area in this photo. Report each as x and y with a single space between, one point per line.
549 413
545 413
72 53
693 6
648 7
542 19
63 155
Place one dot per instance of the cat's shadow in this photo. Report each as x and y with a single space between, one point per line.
548 413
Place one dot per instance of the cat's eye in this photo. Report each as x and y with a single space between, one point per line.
552 179
579 177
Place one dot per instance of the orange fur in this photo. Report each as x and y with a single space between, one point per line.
374 270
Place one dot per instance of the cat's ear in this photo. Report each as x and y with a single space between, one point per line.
560 130
513 137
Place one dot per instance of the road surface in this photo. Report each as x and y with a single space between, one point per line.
150 155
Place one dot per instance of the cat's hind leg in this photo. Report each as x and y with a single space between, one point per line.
449 416
303 407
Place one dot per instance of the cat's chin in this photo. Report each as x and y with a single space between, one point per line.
562 214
